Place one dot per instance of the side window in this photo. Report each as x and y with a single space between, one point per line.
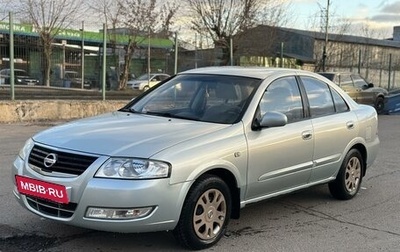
340 104
359 82
283 95
345 80
319 97
163 77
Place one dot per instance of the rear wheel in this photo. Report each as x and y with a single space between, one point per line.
205 213
348 180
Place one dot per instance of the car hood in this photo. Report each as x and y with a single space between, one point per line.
133 82
79 80
24 77
124 134
377 90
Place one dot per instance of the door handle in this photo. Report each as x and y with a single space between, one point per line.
350 125
306 135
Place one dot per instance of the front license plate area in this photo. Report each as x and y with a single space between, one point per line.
45 190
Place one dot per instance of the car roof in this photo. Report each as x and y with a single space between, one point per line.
15 69
336 73
159 74
253 72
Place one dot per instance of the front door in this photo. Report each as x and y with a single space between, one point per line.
280 158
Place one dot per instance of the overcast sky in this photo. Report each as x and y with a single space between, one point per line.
380 15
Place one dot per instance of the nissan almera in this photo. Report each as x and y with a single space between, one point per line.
191 152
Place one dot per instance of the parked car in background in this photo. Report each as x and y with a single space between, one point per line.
72 79
144 82
359 89
190 153
21 77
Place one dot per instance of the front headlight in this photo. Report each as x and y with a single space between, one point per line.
132 168
24 152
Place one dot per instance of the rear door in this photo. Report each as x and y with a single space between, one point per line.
334 127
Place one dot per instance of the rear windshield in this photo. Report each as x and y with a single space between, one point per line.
329 76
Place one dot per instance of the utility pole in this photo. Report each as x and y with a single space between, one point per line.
324 54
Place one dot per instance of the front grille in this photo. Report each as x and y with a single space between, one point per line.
52 208
69 163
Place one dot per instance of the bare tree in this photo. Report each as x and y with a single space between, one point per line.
6 6
333 26
167 15
110 13
141 19
48 18
274 13
222 19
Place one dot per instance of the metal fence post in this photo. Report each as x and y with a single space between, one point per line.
390 70
176 53
83 56
231 49
281 55
195 50
104 60
12 77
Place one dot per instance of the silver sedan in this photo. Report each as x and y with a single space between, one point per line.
189 154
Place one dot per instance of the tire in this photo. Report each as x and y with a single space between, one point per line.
379 105
348 180
145 88
205 214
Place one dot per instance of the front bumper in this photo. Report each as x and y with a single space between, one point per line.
85 191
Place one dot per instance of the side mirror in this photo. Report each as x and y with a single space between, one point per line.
272 119
370 85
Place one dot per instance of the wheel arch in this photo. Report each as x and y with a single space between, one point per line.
361 148
229 178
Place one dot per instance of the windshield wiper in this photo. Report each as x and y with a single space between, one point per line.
167 114
131 110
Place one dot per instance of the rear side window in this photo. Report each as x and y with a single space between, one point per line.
319 97
345 80
340 104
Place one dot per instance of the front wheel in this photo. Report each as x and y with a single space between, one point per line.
379 105
348 180
205 213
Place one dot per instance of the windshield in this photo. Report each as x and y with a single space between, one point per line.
71 75
208 98
144 77
20 73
